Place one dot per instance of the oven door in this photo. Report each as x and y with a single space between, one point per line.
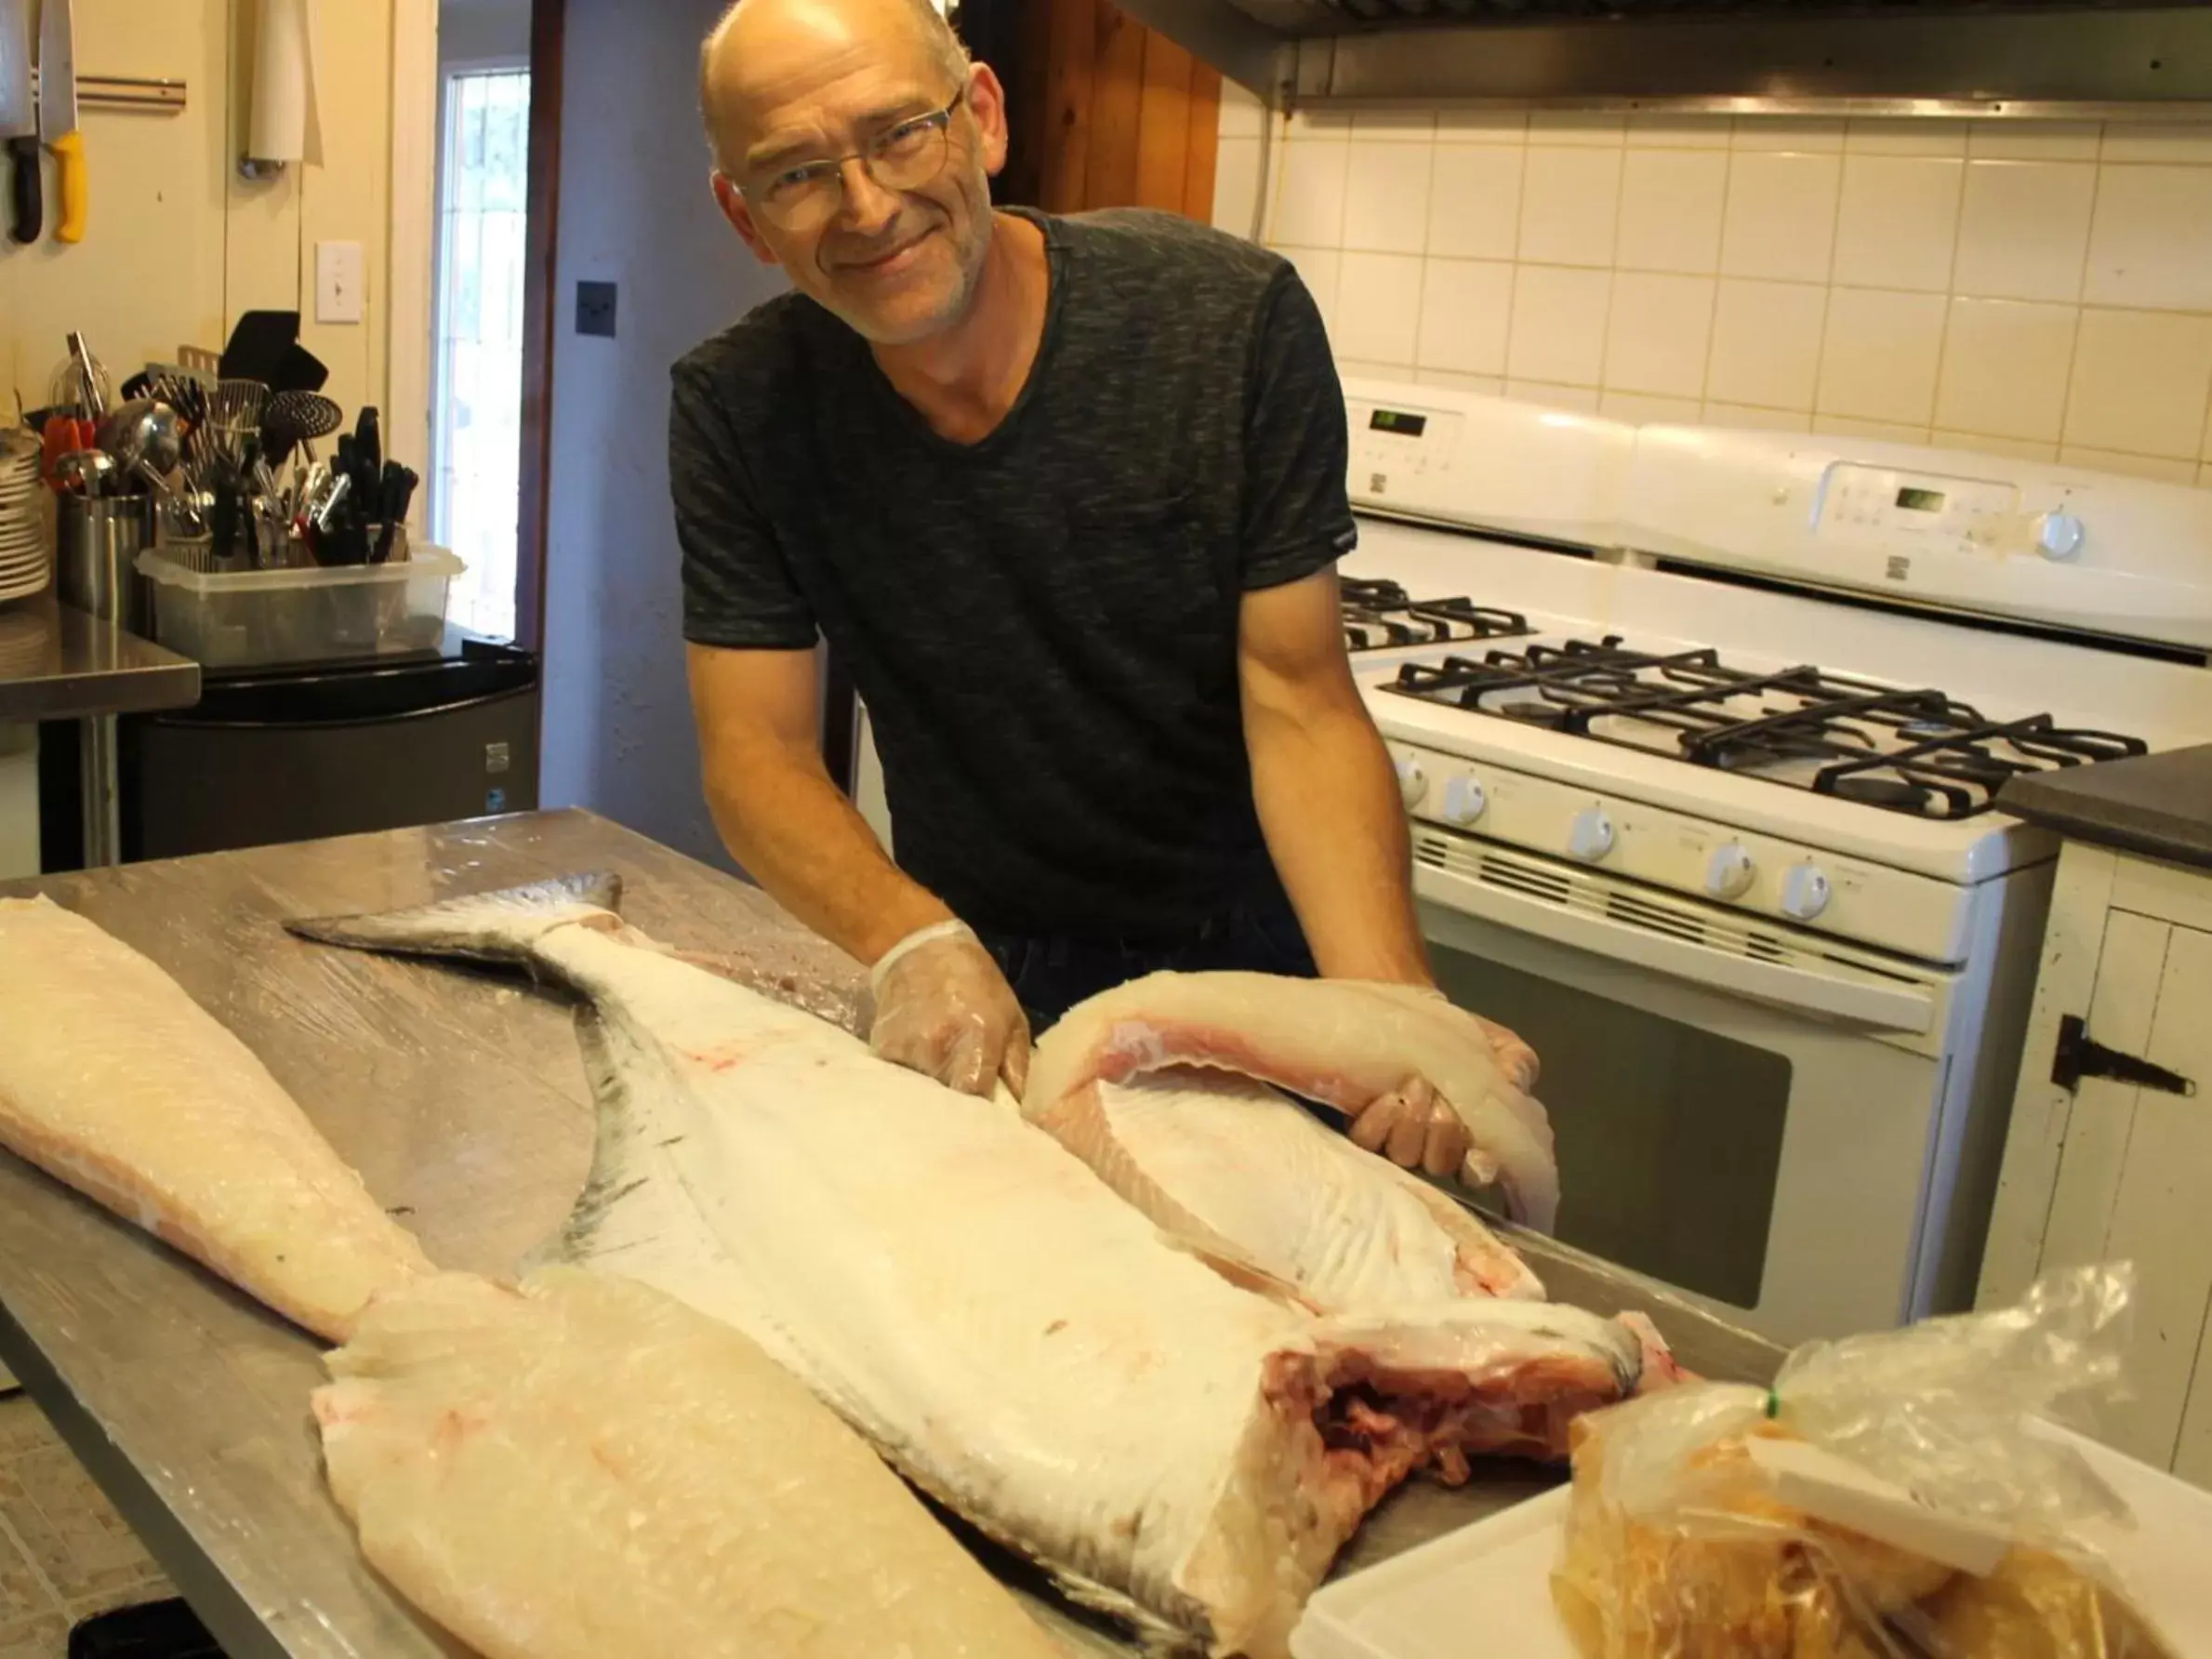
1744 1113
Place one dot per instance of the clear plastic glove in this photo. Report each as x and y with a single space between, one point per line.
943 1008
1513 1056
1415 1127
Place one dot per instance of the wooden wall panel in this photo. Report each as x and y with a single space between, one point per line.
1116 108
1107 113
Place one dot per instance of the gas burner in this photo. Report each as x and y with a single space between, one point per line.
1378 613
1906 750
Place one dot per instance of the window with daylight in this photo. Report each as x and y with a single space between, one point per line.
476 418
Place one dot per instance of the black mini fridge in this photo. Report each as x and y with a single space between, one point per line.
308 751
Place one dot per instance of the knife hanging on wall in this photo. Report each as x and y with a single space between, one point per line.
57 117
18 123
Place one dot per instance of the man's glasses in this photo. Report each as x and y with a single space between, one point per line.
807 196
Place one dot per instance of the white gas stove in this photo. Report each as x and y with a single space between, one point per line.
1704 735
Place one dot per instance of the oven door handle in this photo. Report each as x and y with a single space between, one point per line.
1879 1007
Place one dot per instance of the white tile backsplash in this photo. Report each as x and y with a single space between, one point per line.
1767 343
1789 132
1671 202
1474 201
2151 238
1574 127
1644 408
2185 141
2027 287
2023 228
1780 218
2005 368
1879 356
1386 196
2141 382
1309 203
1897 224
2035 140
1571 205
1557 332
1657 336
1679 132
1905 136
1466 308
1378 307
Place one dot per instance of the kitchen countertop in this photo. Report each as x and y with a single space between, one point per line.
462 1099
2158 804
57 663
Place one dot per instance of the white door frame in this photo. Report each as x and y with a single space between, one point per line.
414 236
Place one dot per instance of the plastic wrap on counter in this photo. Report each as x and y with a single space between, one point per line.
1889 1497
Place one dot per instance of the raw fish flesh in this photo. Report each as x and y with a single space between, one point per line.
115 1081
1232 1166
1342 1042
588 1469
1016 1339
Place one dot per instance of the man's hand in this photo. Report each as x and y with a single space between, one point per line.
1415 1128
943 1008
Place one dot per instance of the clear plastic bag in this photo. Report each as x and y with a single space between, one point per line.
1710 1519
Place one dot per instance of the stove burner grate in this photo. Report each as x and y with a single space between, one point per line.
1907 750
1379 614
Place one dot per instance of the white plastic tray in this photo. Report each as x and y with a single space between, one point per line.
1484 1592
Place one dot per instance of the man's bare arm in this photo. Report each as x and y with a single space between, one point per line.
942 1006
1327 794
781 817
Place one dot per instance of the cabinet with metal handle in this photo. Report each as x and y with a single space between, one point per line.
2109 1153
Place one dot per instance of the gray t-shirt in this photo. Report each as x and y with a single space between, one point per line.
1043 625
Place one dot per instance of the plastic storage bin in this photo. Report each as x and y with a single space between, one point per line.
256 617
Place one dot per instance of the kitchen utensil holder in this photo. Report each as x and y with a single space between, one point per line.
98 540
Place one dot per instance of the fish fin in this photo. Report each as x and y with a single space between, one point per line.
498 927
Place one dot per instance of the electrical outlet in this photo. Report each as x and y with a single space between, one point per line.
595 309
340 279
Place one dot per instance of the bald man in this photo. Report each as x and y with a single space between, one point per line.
1066 495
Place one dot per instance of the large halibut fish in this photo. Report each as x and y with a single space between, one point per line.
1013 1337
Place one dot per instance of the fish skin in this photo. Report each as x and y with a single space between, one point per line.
1012 1337
1341 1043
582 1467
115 1081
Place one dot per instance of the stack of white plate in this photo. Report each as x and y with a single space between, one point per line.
26 562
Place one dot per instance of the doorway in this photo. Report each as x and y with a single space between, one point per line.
479 251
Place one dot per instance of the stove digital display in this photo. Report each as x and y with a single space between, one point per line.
1394 420
1919 500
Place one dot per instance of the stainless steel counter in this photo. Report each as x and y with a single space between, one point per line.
461 1100
57 663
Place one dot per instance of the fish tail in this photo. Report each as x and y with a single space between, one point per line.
495 928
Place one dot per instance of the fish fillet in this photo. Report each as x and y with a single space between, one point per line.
587 1467
1341 1043
115 1081
1017 1340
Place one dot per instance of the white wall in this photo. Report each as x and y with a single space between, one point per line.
2042 288
176 243
634 210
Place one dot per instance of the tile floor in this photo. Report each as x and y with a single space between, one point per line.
64 1553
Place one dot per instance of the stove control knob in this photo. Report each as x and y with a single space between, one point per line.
1413 782
1805 891
1591 836
1729 870
2058 536
1464 800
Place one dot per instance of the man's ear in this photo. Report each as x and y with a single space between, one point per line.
739 213
986 102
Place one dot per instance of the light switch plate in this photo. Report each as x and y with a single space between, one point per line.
340 280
